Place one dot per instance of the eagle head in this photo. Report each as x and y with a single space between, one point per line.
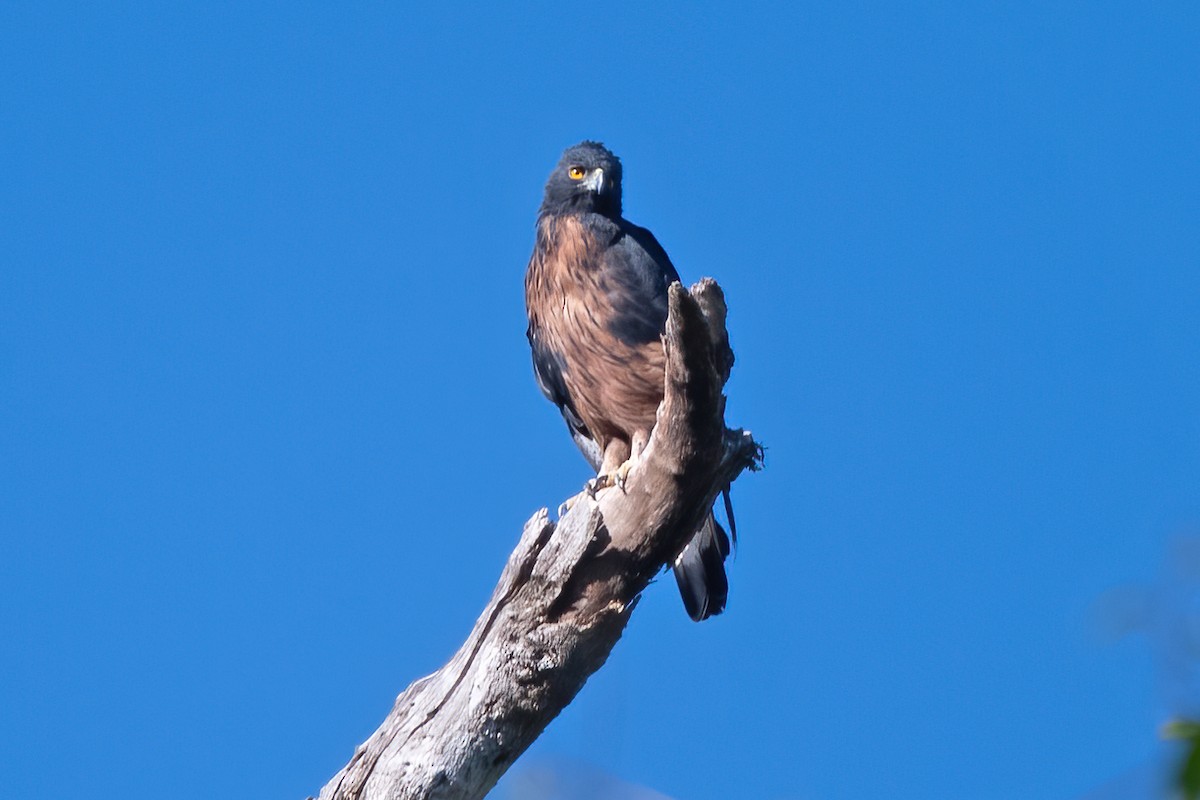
586 179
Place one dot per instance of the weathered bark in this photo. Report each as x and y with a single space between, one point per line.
567 591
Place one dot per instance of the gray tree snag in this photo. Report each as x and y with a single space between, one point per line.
567 591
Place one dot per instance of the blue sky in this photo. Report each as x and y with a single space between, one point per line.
269 427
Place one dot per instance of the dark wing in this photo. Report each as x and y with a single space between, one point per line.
638 272
548 369
700 566
655 250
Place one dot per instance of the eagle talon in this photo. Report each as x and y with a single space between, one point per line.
565 506
617 477
621 476
601 481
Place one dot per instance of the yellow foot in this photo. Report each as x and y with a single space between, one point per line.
604 480
597 483
623 473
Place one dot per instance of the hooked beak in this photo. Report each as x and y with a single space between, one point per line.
597 182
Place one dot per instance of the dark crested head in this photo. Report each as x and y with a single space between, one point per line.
587 178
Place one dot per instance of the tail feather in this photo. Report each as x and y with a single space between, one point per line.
729 514
700 571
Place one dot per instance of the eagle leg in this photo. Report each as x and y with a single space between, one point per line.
614 468
637 444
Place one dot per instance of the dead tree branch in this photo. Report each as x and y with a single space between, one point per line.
567 590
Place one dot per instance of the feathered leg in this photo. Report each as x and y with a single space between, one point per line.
614 467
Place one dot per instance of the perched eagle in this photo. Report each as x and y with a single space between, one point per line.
596 297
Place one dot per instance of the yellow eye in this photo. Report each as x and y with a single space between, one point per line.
576 173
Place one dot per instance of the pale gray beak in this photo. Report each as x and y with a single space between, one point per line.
596 182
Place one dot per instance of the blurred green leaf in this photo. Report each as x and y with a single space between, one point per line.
1181 729
1189 775
1188 778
